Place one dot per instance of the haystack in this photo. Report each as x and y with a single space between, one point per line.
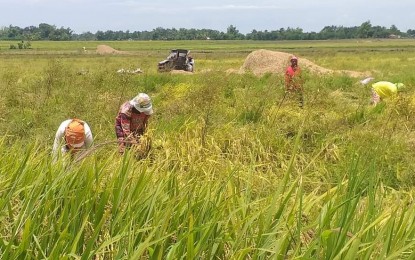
262 61
105 49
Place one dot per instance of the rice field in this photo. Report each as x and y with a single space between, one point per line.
236 169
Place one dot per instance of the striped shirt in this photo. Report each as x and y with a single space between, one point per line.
130 121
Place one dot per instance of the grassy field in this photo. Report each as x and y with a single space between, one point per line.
236 171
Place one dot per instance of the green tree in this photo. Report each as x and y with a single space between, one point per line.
14 33
45 30
364 30
411 33
233 34
394 30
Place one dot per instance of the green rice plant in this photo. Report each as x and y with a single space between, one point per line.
190 211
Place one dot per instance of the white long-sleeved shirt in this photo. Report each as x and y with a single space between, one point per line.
60 142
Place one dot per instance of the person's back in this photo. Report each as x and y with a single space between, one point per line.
131 121
72 136
385 88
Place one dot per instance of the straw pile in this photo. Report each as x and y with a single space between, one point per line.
260 62
105 49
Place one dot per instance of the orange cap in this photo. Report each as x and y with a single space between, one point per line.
75 134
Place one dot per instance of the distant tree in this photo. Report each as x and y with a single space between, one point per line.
364 30
31 33
294 33
51 32
86 36
411 33
328 32
14 33
61 34
100 36
394 30
45 30
233 34
379 32
254 35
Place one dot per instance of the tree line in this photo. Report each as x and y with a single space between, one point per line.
53 33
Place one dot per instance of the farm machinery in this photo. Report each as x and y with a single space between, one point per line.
178 59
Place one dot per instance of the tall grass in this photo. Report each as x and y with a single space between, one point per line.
122 208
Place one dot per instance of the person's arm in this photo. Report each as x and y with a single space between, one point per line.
88 136
125 124
59 139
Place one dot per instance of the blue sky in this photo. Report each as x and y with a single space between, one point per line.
93 15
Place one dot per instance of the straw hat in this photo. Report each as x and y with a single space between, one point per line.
142 102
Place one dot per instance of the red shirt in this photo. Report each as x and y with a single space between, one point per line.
292 78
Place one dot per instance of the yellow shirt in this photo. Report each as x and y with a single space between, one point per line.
385 88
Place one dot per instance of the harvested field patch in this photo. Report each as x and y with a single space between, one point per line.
181 72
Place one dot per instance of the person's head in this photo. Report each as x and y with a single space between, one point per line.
400 86
294 61
75 134
142 102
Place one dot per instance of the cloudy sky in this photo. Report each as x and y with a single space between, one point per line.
246 15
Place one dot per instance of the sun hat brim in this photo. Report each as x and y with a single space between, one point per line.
146 110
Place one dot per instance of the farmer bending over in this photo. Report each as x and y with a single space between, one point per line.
73 135
131 121
384 89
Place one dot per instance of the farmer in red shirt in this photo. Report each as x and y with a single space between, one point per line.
131 121
293 80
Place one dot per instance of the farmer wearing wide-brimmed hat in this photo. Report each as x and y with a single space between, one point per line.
73 135
132 119
293 80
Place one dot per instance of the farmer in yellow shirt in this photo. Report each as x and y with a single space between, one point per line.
384 89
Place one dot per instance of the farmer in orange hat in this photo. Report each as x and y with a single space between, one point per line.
293 80
73 135
131 121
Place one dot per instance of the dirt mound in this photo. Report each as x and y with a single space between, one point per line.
263 61
105 49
